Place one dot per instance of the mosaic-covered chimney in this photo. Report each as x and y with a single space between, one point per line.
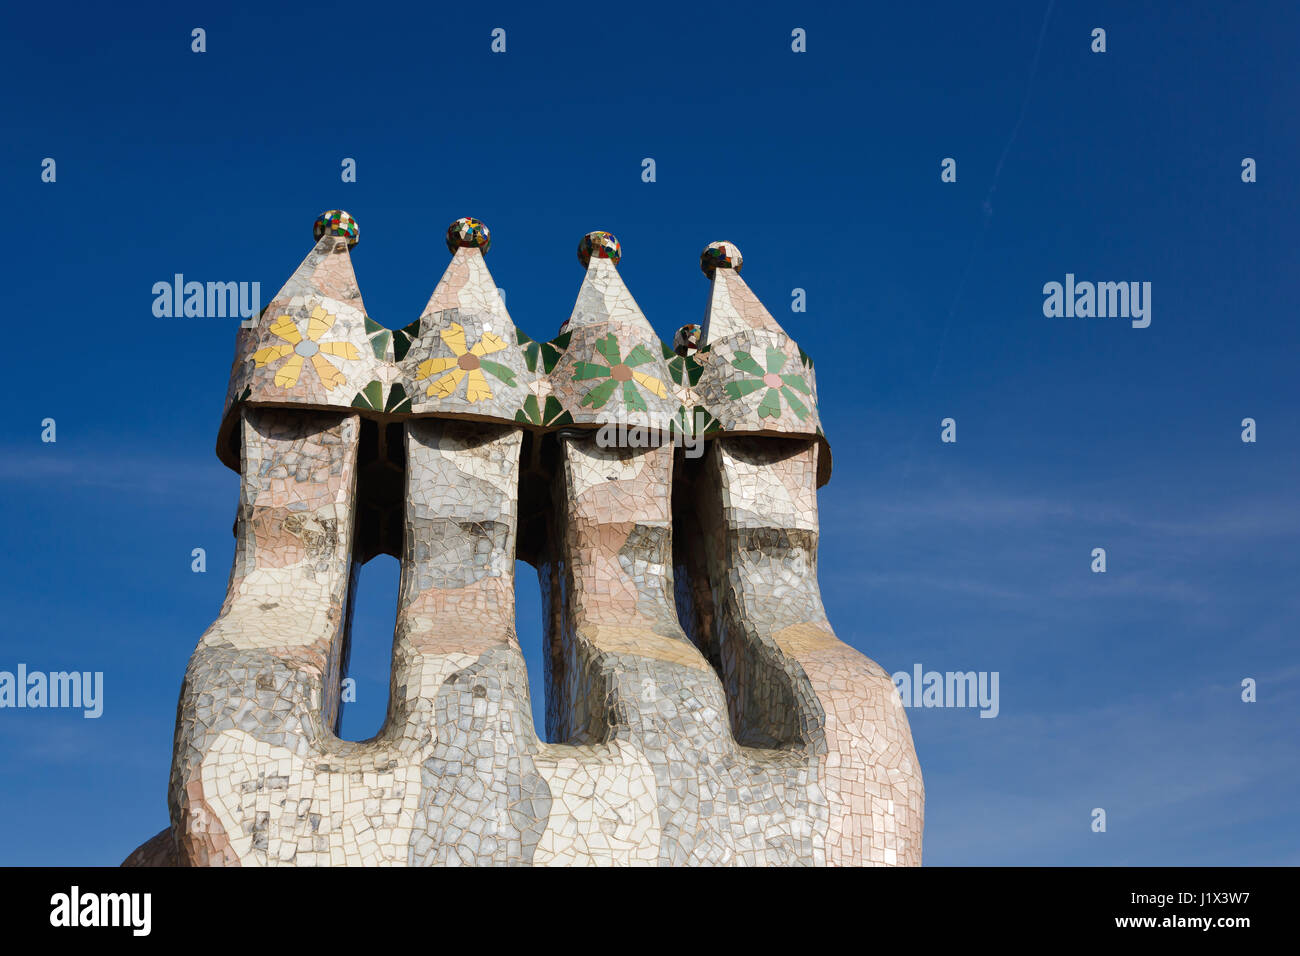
699 706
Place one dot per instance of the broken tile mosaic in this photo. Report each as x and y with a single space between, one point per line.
700 708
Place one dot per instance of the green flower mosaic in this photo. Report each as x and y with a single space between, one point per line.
619 372
776 383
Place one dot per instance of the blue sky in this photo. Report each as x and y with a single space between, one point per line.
1117 690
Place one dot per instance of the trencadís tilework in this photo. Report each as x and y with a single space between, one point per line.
702 708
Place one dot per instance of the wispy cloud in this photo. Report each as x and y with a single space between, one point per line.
888 510
1160 765
121 469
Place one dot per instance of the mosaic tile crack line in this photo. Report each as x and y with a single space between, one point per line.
704 711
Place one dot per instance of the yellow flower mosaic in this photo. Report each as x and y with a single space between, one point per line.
300 349
464 363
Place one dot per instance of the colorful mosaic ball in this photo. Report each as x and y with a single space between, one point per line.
720 255
468 233
687 340
602 245
337 223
